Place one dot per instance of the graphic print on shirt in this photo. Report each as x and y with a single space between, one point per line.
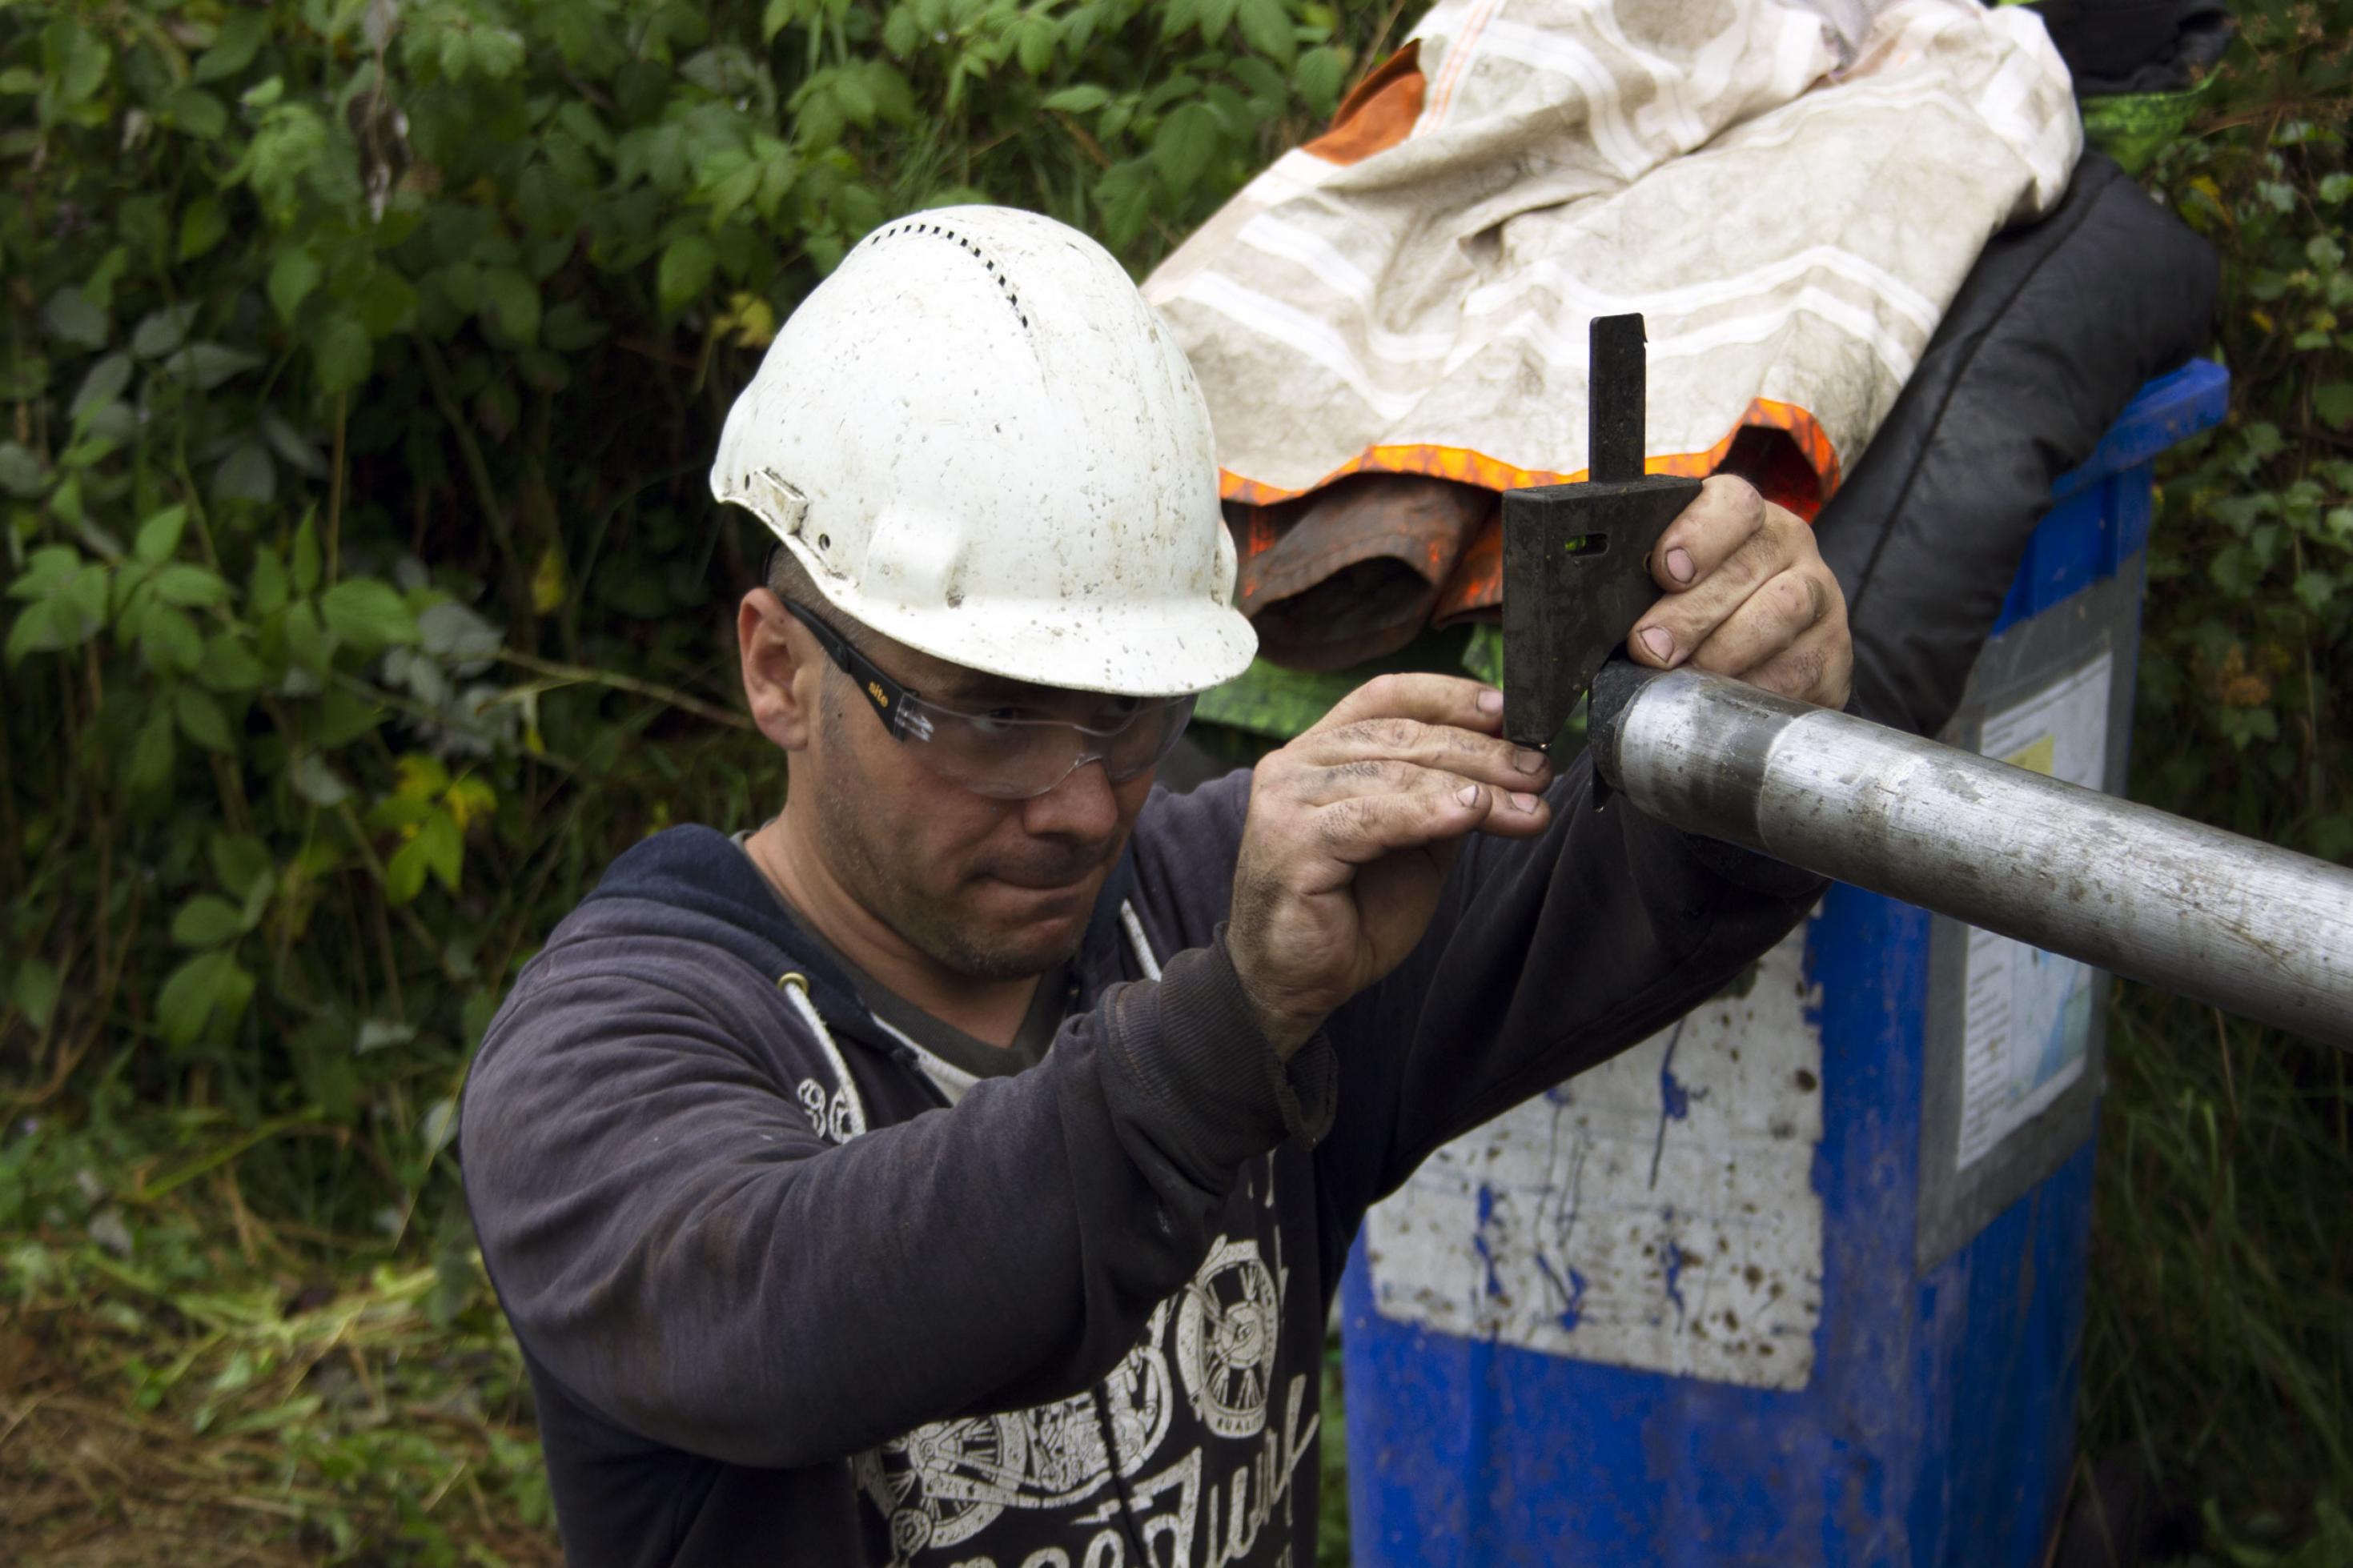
943 1485
1228 1324
830 1117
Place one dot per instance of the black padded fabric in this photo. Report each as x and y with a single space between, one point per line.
2057 326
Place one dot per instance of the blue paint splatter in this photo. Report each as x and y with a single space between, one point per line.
1674 1100
1572 1310
1673 1265
1479 1239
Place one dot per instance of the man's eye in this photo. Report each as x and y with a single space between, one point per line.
995 720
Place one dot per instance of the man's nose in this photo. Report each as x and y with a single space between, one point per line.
1081 806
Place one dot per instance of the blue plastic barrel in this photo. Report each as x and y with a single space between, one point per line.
1801 1280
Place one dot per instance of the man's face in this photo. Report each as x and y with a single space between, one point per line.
990 889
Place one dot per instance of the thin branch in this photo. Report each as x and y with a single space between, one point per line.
579 674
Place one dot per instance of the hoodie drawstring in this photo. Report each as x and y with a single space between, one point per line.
853 1122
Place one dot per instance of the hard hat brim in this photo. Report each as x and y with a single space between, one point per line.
1154 649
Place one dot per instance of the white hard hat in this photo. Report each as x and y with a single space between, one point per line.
982 443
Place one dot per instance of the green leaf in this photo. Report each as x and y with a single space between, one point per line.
292 276
309 777
1078 99
439 1126
306 642
1318 77
264 591
2334 403
1267 28
206 366
163 329
44 627
34 993
686 268
404 874
341 352
1186 142
190 994
238 42
201 720
246 474
195 111
343 717
75 320
2315 589
202 226
515 302
227 667
150 765
368 614
180 583
20 470
159 536
445 847
76 61
239 861
170 640
104 383
206 921
306 554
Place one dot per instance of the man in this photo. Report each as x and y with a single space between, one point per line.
958 1168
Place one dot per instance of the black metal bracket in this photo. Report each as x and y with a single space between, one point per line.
1576 572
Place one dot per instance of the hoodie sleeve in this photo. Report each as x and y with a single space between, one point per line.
675 1241
1544 957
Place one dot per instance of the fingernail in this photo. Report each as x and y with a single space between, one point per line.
1526 803
1490 701
1528 762
1662 646
1679 565
1467 795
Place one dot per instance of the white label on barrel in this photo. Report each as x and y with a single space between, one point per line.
1657 1212
2026 1023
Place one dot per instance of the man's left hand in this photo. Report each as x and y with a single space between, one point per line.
1747 594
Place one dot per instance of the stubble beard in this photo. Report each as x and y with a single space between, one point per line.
921 918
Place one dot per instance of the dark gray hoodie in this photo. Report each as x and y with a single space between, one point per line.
792 1292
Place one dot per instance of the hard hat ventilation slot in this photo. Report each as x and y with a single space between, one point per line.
996 274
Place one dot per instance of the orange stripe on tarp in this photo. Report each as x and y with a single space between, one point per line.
1476 586
1472 468
1379 114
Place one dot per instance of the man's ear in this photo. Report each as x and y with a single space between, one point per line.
783 667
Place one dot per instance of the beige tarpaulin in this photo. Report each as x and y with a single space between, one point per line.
1791 194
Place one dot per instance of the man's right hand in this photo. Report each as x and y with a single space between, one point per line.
1351 831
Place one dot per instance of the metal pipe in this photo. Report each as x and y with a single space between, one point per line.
2227 920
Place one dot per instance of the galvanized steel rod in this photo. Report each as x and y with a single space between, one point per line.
2241 925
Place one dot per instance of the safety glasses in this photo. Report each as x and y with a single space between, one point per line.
1003 754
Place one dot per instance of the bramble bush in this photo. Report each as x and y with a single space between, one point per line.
364 360
2220 1338
362 366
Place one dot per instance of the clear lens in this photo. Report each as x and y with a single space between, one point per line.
1014 759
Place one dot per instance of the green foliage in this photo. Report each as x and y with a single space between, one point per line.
2251 575
2222 1283
363 364
364 359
